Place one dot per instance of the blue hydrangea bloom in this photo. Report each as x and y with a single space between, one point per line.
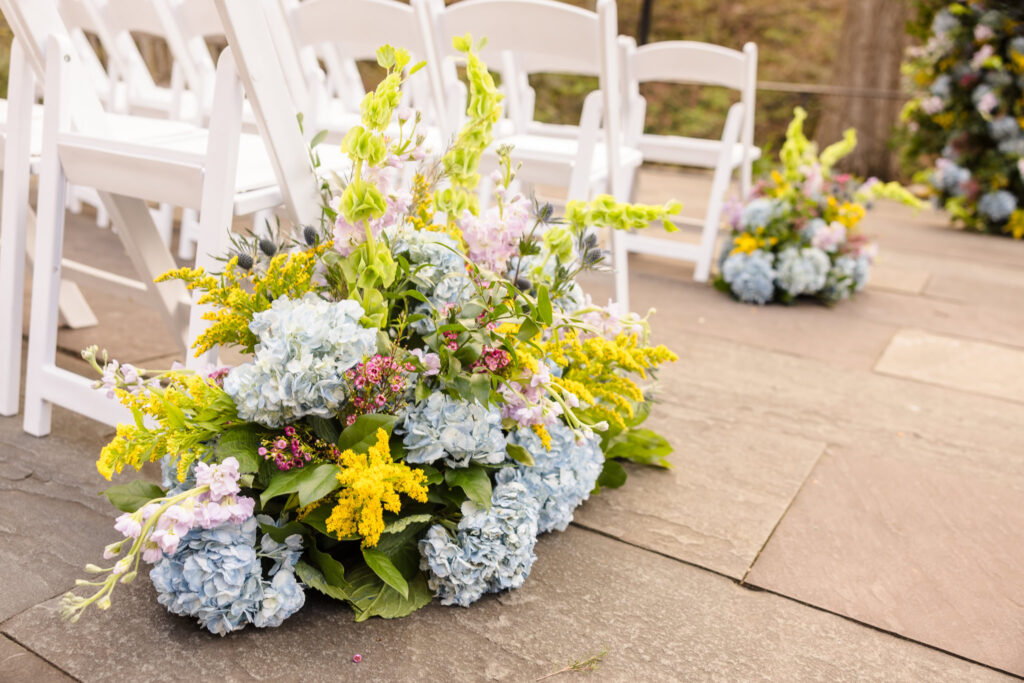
801 271
169 476
436 253
1017 45
942 86
849 274
451 290
305 347
561 478
751 276
216 576
812 227
760 212
997 205
1004 128
460 432
492 551
949 177
944 22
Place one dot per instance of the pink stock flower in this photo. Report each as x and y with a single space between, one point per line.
222 479
829 237
431 361
128 525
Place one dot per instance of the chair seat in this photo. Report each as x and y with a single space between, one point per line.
699 152
548 159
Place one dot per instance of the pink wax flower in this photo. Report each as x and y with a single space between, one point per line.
981 56
983 33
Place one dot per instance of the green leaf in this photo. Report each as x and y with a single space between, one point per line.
527 330
643 446
333 571
314 578
401 523
474 481
279 533
133 495
613 475
519 454
544 306
327 429
317 139
371 597
311 482
363 432
241 443
383 567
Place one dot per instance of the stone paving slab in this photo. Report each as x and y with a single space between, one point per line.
684 306
660 620
51 519
18 664
890 278
728 488
958 363
927 552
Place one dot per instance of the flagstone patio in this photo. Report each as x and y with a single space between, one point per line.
846 503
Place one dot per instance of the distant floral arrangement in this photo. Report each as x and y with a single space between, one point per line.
426 388
797 235
967 122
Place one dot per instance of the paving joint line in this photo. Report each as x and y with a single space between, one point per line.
789 505
817 608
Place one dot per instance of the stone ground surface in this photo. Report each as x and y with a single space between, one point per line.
846 502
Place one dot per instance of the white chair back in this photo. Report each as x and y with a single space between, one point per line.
535 36
248 32
689 62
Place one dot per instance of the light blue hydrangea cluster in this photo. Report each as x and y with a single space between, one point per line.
451 290
849 274
751 276
801 270
460 432
433 255
997 205
949 177
492 551
216 576
561 478
760 212
305 347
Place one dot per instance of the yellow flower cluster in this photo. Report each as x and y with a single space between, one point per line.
1015 226
372 483
236 295
421 208
847 213
746 242
594 367
190 411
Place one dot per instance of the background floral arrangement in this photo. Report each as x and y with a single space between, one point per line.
797 234
426 389
967 121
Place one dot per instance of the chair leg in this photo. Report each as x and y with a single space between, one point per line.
12 227
188 235
42 337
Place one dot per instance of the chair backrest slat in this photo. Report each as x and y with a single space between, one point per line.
259 68
681 61
547 36
358 27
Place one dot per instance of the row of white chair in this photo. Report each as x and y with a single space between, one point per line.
190 166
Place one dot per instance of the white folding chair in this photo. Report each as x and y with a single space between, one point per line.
702 64
185 165
542 36
337 33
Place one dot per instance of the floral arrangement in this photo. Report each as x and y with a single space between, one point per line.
798 235
425 389
967 121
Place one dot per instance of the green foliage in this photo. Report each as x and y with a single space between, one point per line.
474 481
133 495
311 483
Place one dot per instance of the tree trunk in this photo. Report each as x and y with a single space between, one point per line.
870 52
